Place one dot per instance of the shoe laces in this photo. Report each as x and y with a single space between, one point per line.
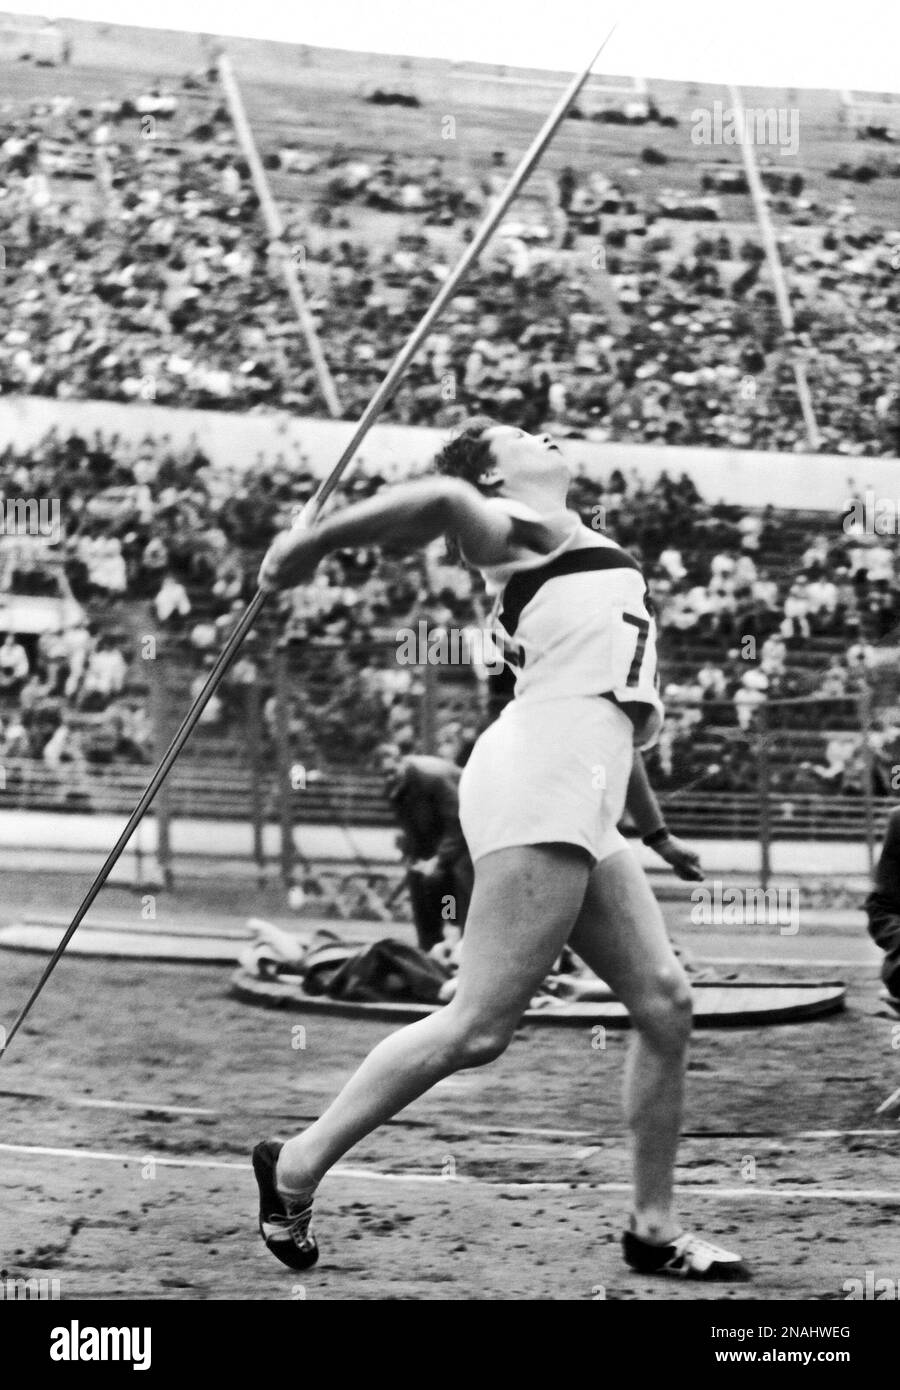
689 1245
296 1224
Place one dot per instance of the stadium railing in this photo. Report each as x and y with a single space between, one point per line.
354 798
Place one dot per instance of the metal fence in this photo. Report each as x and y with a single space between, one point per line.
292 743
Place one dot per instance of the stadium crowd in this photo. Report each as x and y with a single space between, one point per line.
599 320
156 539
135 267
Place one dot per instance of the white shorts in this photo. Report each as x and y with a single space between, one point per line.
549 771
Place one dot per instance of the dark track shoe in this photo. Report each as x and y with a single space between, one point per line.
687 1257
283 1224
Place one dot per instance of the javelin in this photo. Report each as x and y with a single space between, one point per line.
311 510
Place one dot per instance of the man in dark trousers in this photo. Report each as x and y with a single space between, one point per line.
883 907
424 792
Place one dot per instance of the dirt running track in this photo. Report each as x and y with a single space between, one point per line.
437 1205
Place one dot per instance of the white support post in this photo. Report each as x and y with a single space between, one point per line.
776 270
275 227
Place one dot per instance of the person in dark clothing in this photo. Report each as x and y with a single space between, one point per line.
882 906
424 792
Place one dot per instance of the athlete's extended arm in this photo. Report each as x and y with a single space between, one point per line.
643 807
406 517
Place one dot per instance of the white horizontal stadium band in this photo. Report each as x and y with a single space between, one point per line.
749 1191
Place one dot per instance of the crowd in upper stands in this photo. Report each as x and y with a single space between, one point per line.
137 268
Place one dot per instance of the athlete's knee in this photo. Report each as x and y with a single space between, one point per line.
475 1041
663 1012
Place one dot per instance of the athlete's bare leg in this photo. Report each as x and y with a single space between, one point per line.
621 935
524 905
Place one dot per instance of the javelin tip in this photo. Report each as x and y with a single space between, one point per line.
612 29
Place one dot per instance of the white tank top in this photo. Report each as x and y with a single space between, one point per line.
577 622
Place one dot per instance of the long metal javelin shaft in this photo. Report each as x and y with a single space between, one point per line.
309 514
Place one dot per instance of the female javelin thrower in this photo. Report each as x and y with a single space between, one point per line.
540 799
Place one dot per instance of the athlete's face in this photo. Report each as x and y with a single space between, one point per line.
534 460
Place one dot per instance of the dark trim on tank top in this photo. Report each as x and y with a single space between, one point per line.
522 587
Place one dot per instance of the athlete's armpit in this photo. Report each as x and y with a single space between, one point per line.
532 535
488 534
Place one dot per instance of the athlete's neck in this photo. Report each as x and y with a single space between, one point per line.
547 500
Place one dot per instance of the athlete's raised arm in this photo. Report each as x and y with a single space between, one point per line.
407 517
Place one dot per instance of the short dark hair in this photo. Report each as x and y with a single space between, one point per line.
468 454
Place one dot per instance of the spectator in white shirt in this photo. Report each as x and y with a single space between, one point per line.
815 555
109 569
749 695
670 560
744 573
823 597
63 746
839 753
203 635
16 740
750 528
213 710
859 657
765 592
172 600
834 682
721 567
881 565
796 611
106 671
711 680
